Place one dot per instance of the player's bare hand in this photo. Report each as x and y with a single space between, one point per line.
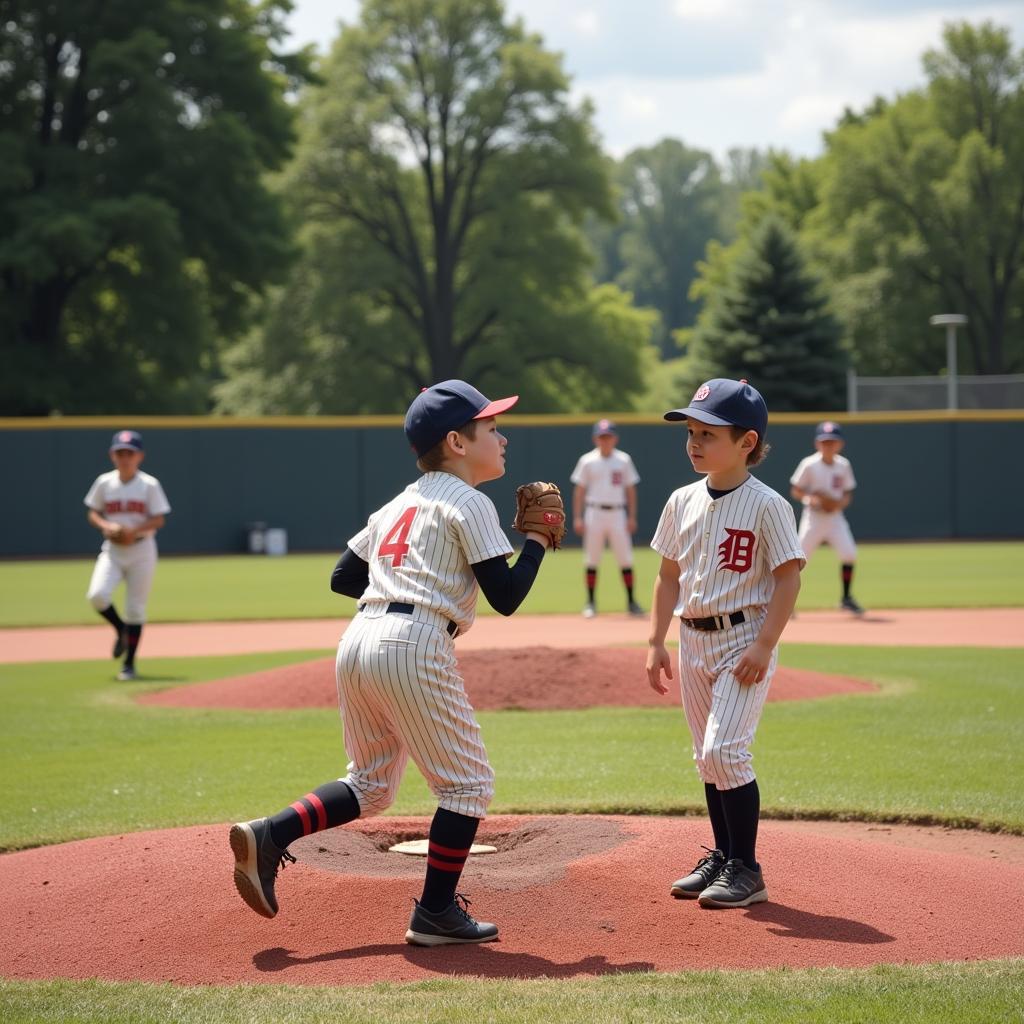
753 665
658 661
577 526
540 538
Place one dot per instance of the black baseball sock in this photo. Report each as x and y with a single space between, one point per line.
627 579
717 816
132 635
591 584
742 808
328 806
110 614
846 572
451 836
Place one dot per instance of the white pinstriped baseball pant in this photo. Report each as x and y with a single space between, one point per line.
722 713
401 696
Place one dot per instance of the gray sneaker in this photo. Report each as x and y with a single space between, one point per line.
735 886
257 860
589 611
126 675
447 927
692 885
635 609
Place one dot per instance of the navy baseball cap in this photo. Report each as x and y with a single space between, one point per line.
604 427
448 406
828 431
726 403
127 439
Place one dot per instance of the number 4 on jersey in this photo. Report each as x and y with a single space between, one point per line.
395 543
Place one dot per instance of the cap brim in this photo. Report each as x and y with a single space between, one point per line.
674 415
496 408
125 448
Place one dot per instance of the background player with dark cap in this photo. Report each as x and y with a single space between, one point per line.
824 483
604 510
127 506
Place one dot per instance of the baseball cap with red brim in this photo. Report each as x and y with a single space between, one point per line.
447 406
726 403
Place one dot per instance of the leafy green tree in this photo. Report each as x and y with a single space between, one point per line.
136 225
922 211
768 323
441 178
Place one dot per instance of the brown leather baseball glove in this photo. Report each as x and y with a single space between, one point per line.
539 509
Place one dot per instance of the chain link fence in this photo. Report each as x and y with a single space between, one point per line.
896 394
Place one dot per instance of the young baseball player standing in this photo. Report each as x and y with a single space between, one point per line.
416 569
730 569
824 482
127 506
604 510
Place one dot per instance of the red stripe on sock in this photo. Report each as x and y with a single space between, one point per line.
440 865
321 811
300 809
447 850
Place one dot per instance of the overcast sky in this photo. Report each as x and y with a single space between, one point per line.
723 73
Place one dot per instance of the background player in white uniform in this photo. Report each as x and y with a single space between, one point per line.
127 506
604 510
824 482
730 568
416 568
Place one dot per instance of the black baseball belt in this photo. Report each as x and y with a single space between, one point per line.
715 622
402 608
604 508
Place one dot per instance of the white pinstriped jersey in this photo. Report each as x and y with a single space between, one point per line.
815 476
726 547
128 503
605 479
421 544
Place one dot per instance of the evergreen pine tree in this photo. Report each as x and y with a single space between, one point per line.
770 326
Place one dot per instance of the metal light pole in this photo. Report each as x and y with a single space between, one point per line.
951 321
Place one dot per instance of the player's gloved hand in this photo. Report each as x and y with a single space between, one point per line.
539 509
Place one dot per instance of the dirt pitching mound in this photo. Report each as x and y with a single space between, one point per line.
572 896
530 678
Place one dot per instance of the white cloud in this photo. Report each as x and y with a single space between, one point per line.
725 73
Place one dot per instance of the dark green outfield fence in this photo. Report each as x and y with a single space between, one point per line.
922 476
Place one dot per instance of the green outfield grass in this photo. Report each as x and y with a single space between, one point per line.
953 575
970 993
943 740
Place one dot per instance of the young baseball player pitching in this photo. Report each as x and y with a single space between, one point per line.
730 569
416 569
824 482
127 506
604 510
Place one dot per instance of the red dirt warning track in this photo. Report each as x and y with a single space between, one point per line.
572 896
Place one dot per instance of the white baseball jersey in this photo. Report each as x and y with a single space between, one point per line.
399 688
728 547
605 479
815 476
421 544
128 503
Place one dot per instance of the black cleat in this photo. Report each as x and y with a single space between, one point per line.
449 927
120 644
849 605
707 870
257 860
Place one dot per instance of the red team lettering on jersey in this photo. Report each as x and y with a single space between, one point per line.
736 552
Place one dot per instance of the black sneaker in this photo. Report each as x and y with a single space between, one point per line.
120 644
692 885
257 860
849 605
635 609
447 927
735 886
